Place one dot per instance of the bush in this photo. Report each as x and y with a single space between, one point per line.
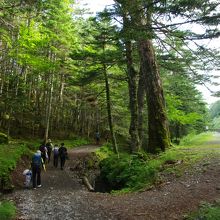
7 210
129 172
137 171
206 212
9 155
3 138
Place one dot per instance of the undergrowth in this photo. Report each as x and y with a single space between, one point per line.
206 212
7 210
71 143
9 155
133 172
195 139
137 171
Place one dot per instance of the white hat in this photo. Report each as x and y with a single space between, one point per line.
25 171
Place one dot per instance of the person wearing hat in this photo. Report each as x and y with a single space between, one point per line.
37 163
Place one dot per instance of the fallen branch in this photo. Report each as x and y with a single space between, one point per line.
87 183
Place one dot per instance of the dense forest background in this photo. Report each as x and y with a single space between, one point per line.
130 72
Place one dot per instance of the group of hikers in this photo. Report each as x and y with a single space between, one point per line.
43 157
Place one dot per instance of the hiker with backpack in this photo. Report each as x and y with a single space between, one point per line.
55 155
43 150
63 155
37 163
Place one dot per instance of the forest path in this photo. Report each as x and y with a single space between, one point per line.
64 197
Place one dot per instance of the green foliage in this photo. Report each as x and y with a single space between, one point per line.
215 110
104 152
137 171
196 139
206 212
74 142
7 210
3 138
215 123
185 108
9 155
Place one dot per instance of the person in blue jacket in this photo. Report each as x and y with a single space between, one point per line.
37 163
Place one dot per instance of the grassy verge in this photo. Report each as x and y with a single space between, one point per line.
140 171
206 212
72 143
9 155
196 140
7 210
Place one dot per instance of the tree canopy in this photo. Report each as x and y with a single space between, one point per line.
130 72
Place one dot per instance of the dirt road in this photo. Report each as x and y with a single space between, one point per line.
64 197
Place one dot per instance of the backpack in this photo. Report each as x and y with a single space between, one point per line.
56 151
63 152
36 160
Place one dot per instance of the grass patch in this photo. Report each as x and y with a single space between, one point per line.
140 171
72 143
7 210
9 155
137 171
206 212
196 139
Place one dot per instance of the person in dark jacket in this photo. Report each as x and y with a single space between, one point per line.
49 147
37 163
43 150
55 155
97 137
63 155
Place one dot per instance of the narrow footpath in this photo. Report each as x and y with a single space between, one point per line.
63 196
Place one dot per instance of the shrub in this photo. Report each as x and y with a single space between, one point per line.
206 212
7 210
129 172
9 155
3 138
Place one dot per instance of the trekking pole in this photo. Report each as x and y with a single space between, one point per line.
43 164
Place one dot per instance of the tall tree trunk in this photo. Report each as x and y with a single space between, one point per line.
108 103
140 99
49 107
132 81
132 84
157 119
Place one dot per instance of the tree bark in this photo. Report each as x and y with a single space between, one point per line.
108 103
141 94
132 84
49 107
157 119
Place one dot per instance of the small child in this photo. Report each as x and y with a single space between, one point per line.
28 175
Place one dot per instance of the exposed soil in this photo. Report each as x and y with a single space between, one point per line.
63 195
